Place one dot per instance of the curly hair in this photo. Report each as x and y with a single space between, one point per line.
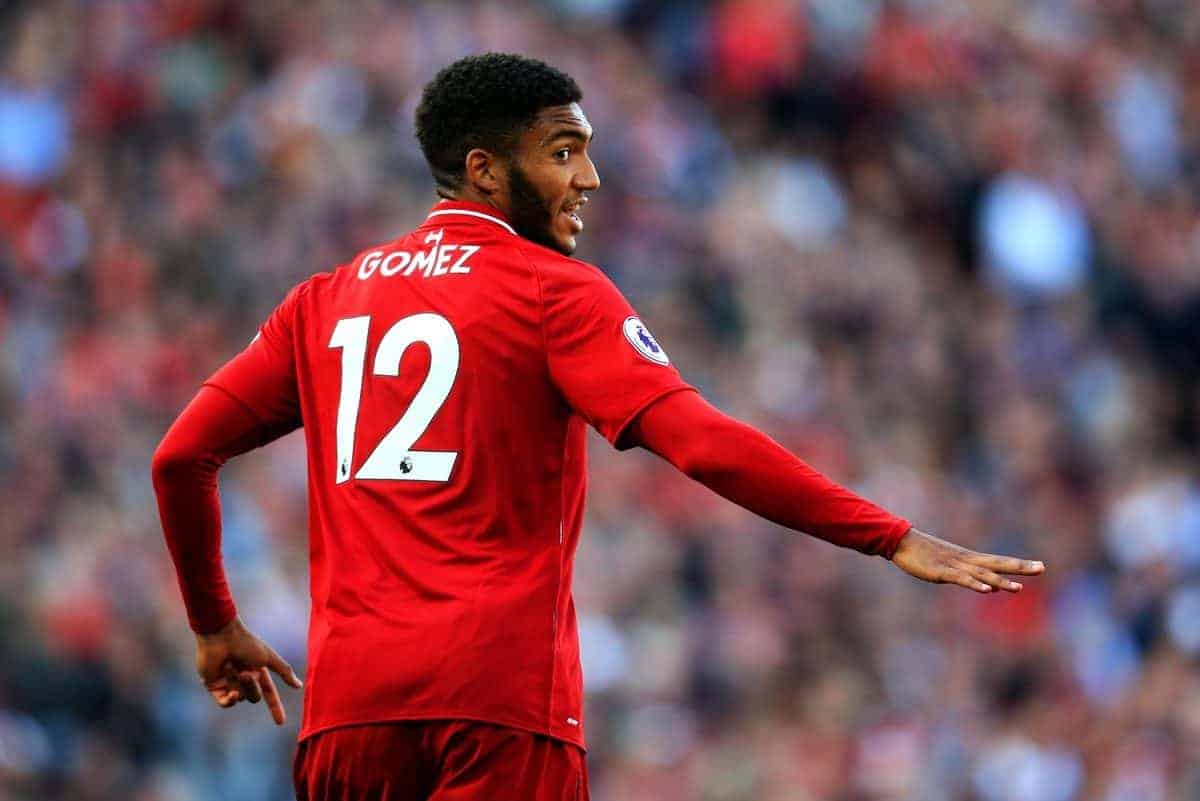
484 101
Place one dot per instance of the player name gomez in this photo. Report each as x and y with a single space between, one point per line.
431 262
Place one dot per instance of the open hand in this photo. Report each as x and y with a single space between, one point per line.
931 559
236 666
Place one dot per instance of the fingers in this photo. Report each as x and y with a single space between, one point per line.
277 663
928 558
240 670
245 681
250 687
223 692
225 698
992 580
272 696
236 684
1006 564
976 577
963 578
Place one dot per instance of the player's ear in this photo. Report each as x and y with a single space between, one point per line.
484 171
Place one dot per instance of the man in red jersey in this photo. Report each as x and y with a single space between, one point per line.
444 381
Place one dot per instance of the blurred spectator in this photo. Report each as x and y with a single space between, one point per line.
947 253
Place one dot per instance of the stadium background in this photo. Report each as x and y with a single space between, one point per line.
948 253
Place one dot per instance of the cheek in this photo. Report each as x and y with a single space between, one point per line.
555 186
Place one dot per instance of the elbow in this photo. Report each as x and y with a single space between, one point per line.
689 457
689 454
171 463
166 463
708 473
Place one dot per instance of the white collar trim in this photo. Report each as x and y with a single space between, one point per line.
479 214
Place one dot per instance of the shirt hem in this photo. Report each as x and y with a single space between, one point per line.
306 733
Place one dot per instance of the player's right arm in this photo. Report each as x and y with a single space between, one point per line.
231 661
249 402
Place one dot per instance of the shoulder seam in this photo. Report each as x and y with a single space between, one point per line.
302 289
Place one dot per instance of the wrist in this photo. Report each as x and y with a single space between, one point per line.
899 536
221 630
211 611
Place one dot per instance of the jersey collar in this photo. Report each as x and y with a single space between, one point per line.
464 209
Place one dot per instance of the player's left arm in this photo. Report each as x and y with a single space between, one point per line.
745 466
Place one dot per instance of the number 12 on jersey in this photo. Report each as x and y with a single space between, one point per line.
393 458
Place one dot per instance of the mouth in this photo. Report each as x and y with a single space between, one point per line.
572 212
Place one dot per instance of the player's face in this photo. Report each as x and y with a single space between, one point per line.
549 175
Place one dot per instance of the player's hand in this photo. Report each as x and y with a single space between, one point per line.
931 559
236 666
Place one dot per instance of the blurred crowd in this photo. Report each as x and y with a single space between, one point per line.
948 253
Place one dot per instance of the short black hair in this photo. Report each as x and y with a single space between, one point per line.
484 101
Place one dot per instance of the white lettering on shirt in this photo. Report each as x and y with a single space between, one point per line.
394 263
468 252
369 262
432 262
442 262
422 260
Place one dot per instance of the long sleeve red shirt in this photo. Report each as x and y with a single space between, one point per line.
729 457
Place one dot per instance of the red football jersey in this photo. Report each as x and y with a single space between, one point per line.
444 381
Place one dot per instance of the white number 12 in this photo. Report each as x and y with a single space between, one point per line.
393 457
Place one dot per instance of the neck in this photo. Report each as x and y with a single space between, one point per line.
470 195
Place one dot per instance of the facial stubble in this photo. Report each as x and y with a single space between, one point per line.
530 214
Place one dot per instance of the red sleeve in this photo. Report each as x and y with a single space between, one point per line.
249 402
213 428
603 359
745 466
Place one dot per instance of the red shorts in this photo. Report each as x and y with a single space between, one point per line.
438 760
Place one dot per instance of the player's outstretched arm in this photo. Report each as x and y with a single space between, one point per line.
745 466
236 666
929 558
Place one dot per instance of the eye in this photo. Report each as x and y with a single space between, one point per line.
562 154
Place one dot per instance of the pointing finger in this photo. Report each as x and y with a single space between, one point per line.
272 697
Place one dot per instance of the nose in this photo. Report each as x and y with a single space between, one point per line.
587 180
